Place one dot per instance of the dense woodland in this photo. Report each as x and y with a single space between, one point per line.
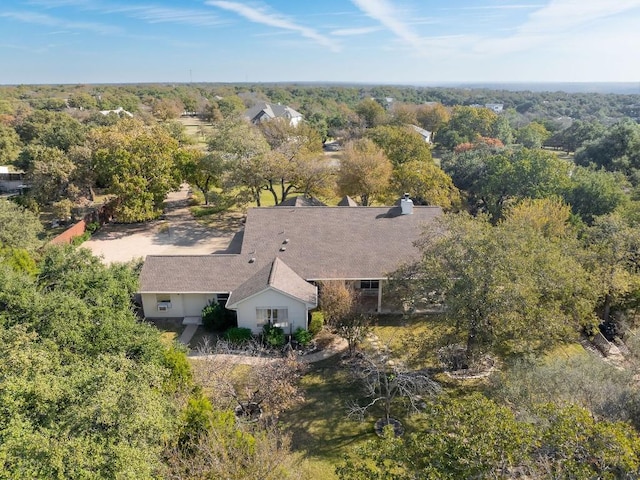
537 251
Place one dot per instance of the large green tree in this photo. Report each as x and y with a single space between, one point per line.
49 173
513 288
426 183
87 390
201 169
473 437
371 113
595 192
9 144
19 228
365 171
612 247
400 143
136 163
296 163
467 124
246 151
617 150
495 178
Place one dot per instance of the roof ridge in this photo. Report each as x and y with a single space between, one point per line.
272 272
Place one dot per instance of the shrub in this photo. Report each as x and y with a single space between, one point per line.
92 227
175 360
273 336
316 323
217 318
238 335
81 238
302 336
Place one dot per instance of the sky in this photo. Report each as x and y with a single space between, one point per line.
419 42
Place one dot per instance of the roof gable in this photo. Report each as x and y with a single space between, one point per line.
270 111
278 276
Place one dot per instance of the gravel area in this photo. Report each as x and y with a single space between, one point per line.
176 234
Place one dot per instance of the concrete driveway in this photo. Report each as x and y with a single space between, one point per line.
177 234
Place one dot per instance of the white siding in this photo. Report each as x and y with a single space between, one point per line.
297 310
150 306
195 302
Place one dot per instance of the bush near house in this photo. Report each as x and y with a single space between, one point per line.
273 336
302 336
238 335
316 323
216 318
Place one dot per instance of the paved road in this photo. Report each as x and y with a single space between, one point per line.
177 234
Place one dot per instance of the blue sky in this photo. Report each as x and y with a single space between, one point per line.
373 41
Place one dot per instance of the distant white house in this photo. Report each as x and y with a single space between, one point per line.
496 107
11 180
263 112
425 134
117 111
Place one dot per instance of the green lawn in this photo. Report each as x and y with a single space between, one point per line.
320 431
320 428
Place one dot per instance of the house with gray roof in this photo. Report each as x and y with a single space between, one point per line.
264 112
286 252
425 134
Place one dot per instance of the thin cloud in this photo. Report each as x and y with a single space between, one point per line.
346 32
385 13
61 3
263 17
499 7
153 14
554 22
567 13
50 21
147 13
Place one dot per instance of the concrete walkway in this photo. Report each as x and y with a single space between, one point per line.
338 345
188 333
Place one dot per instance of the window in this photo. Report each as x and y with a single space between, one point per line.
163 302
370 284
272 316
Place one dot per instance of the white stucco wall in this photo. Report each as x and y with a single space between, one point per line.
297 310
182 305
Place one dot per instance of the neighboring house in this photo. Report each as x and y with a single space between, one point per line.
496 107
11 180
263 112
118 111
425 134
285 253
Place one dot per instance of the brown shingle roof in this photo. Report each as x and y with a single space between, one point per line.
321 243
278 276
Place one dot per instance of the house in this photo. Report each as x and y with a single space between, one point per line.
263 112
11 180
118 111
425 134
285 252
496 107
